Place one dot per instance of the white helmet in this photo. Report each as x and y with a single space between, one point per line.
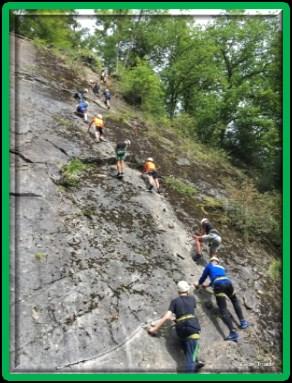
214 258
183 287
85 90
99 116
204 220
127 142
150 159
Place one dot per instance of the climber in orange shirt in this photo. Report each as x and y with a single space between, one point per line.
150 170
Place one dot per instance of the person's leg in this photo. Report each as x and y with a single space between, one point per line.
157 183
190 350
122 166
214 246
232 296
118 167
198 246
97 134
101 134
85 117
151 182
225 314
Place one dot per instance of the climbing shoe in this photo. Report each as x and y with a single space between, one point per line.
197 257
244 324
232 336
199 365
158 191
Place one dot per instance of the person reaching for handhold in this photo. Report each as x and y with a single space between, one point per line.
187 325
107 97
209 236
81 110
80 95
121 152
98 123
223 287
150 170
96 89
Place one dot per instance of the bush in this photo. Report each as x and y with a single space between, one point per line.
141 87
71 173
180 186
185 124
275 269
255 213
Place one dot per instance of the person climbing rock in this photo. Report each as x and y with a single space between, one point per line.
107 97
187 325
121 152
98 123
209 236
96 89
223 287
150 170
81 110
104 76
80 95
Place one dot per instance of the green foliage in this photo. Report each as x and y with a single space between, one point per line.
275 270
140 86
55 27
71 173
40 256
255 214
185 123
180 186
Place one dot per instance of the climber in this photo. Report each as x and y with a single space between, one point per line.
187 325
107 97
96 88
150 170
104 76
98 122
209 236
121 152
81 110
222 286
80 95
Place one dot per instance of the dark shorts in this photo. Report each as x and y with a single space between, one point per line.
100 130
120 156
153 174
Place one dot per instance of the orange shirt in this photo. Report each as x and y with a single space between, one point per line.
149 166
97 122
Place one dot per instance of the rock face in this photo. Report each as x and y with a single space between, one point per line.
93 262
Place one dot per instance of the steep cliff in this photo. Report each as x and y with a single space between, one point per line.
94 259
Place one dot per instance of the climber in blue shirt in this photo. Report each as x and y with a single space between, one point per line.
81 110
222 286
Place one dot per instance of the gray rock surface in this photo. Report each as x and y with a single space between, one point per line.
92 264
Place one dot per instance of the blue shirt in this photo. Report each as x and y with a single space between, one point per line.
82 107
212 271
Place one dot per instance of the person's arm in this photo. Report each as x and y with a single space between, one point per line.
198 237
89 126
156 326
204 275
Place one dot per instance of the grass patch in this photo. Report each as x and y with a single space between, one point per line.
62 121
40 256
180 186
275 269
88 212
71 173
